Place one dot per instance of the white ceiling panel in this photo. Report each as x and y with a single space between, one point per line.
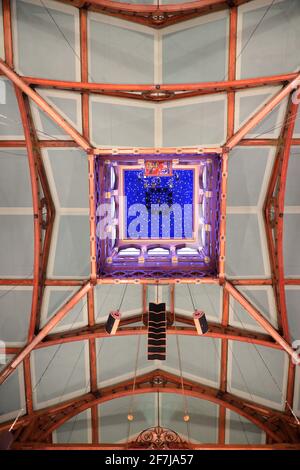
241 431
10 120
121 123
15 309
257 373
59 372
268 38
12 394
196 51
245 251
120 52
54 298
76 430
203 424
16 245
14 173
52 31
70 250
261 297
198 122
248 175
113 417
205 297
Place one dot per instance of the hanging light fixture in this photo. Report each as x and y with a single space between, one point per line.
200 321
112 322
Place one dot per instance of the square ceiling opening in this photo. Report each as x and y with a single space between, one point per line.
157 215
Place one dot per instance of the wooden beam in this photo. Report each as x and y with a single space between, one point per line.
260 319
262 113
274 212
84 71
92 218
215 331
169 91
223 368
233 15
7 31
37 208
223 203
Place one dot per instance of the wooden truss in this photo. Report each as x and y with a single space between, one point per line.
34 429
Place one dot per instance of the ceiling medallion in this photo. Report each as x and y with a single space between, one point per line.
158 438
158 95
159 17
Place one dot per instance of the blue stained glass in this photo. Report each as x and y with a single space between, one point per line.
148 204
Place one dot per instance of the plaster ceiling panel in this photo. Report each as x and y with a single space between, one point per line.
113 417
16 245
54 298
261 297
292 192
241 431
1 33
59 373
290 244
292 295
196 51
70 250
120 52
46 38
205 297
113 365
67 104
248 172
201 122
10 121
246 257
67 169
200 358
251 101
297 124
257 373
109 297
14 173
12 394
268 35
297 392
121 124
15 309
203 424
76 430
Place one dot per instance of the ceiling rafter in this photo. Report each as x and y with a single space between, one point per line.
274 225
160 92
260 319
60 143
83 141
270 421
262 113
80 282
231 75
156 16
105 446
215 330
44 106
273 213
